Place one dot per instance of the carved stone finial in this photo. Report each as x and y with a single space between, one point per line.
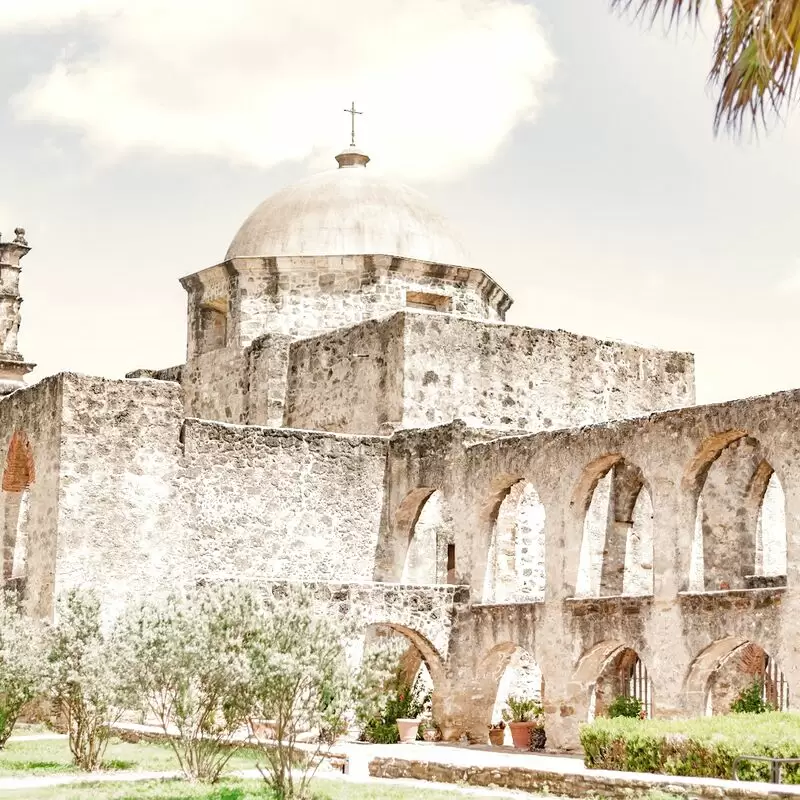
20 236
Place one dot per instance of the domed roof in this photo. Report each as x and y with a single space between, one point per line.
348 211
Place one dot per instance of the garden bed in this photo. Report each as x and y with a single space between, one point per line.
703 747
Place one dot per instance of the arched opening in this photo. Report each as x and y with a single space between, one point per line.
730 666
622 675
18 476
430 555
414 666
607 671
521 677
617 543
739 538
515 568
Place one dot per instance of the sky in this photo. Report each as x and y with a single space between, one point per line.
574 149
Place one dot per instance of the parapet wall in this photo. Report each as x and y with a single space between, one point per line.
421 369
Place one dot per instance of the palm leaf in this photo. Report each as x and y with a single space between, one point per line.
756 53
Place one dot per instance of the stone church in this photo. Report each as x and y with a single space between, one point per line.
354 413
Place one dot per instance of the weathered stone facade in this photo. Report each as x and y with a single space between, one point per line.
507 498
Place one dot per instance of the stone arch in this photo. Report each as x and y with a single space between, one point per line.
606 671
416 641
515 557
425 523
423 533
18 476
738 510
507 668
616 511
724 668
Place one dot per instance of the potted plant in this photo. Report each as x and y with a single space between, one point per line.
430 730
407 707
497 733
524 715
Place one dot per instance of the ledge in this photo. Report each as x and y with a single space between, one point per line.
622 603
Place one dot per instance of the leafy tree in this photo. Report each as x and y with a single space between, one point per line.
189 667
23 663
751 700
86 676
301 683
756 52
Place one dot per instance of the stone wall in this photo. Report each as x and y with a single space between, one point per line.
350 380
515 378
30 496
121 522
143 499
282 504
572 782
489 375
422 613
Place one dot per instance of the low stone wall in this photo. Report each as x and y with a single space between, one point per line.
581 784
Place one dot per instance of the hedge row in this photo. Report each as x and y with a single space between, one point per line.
704 747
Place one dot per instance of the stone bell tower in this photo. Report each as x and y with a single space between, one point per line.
12 365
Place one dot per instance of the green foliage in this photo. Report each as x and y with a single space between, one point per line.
751 701
301 682
188 666
86 677
625 707
401 701
523 709
24 646
702 747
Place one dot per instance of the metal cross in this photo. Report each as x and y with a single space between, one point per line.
352 112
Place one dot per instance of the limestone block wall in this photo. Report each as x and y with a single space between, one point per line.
515 378
142 498
350 380
120 522
489 375
30 436
280 504
216 385
422 613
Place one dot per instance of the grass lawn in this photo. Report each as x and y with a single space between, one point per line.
231 789
51 756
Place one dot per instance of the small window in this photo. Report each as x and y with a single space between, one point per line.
451 563
428 301
213 325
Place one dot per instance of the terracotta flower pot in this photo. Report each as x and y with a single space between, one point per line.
407 728
521 734
496 736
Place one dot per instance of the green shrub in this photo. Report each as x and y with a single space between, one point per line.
625 707
751 701
702 747
402 701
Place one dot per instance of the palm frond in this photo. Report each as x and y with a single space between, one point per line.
756 54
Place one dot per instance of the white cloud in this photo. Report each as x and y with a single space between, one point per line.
442 82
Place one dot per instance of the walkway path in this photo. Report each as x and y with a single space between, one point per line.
453 763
